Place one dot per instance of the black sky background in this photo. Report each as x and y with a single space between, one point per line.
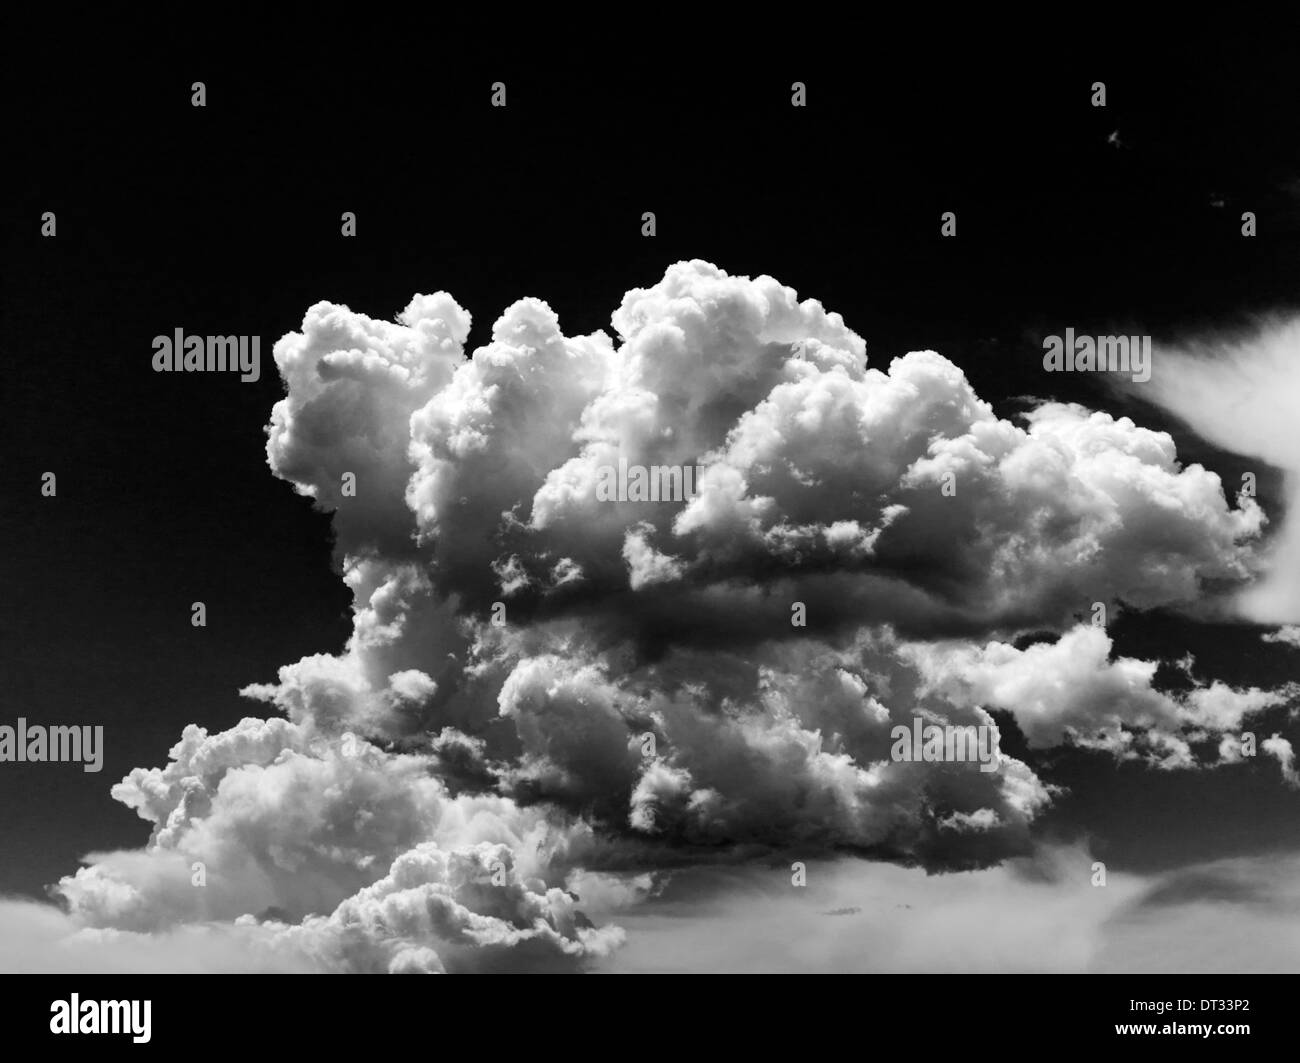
226 220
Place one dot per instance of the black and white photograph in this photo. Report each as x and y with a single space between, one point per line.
771 493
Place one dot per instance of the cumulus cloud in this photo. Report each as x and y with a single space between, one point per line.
1288 635
1074 690
549 700
352 384
269 819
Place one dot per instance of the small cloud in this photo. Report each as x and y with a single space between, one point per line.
1288 635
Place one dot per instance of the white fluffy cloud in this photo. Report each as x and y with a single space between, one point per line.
1288 635
548 699
352 384
269 819
1073 691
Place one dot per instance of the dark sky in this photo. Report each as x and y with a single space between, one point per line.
226 220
